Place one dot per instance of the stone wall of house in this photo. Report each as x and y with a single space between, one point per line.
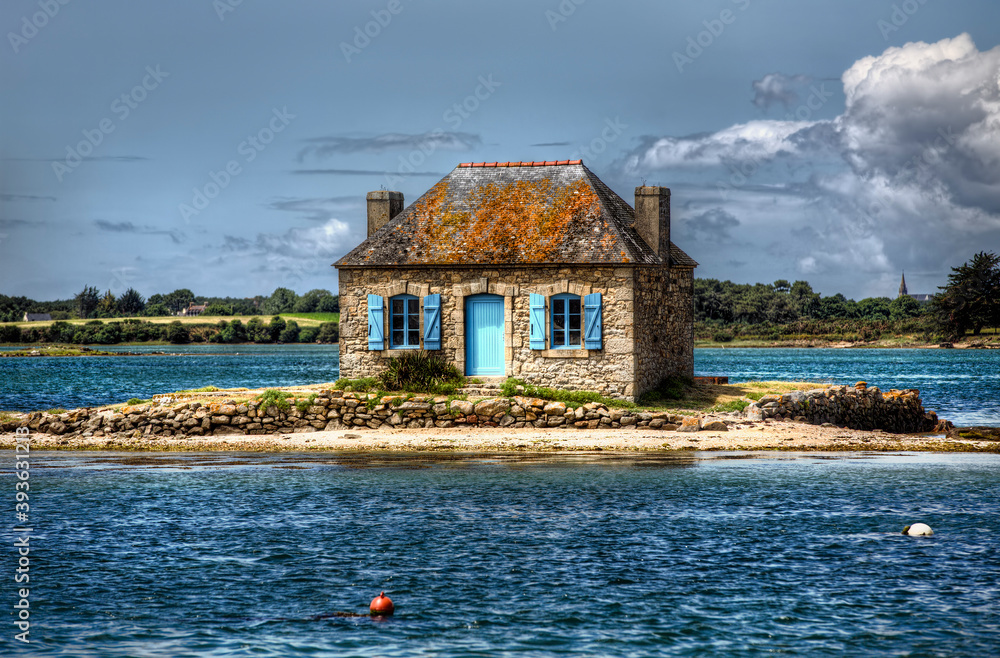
609 371
664 325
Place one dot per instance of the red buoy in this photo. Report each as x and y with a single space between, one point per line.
382 605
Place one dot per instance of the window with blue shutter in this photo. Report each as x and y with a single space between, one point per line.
376 341
404 323
537 318
432 322
592 321
567 322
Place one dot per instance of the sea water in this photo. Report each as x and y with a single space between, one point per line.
492 555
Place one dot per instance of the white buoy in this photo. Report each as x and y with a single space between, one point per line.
918 530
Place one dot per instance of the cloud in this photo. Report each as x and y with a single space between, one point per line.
11 223
777 88
712 225
316 209
324 147
552 144
906 177
299 254
89 158
128 227
25 197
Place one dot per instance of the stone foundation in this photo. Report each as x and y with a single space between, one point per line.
895 411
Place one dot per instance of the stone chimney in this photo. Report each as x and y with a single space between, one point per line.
652 218
383 205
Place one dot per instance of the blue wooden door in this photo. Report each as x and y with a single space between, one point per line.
484 335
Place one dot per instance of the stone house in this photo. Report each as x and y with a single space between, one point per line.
535 270
37 317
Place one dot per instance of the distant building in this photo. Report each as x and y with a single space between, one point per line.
920 297
193 309
37 317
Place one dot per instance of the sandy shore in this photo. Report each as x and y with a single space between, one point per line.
767 435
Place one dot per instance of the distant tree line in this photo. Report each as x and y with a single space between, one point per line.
90 303
133 330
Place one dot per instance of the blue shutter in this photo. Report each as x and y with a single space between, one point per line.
537 317
376 339
592 321
432 322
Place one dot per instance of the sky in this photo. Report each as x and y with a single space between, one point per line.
226 146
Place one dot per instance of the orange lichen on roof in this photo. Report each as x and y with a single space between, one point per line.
519 222
540 163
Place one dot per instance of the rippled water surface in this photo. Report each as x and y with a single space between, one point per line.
223 555
961 385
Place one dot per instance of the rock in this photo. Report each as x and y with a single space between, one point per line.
492 407
714 426
555 408
657 423
463 407
754 413
690 424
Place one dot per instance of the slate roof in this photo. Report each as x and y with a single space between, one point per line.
518 213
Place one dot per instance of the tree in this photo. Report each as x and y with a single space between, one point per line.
217 309
156 310
131 302
108 306
329 332
87 301
290 334
971 300
310 302
177 333
179 300
329 304
282 300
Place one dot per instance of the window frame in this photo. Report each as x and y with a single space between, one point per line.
567 329
406 314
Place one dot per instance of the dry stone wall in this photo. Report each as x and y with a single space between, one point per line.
895 411
858 407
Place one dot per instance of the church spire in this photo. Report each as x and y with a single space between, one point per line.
902 286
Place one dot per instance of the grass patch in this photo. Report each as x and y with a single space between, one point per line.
134 401
6 417
203 389
571 398
732 405
57 410
669 389
360 385
312 319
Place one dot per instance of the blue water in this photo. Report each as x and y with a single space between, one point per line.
72 382
233 555
961 385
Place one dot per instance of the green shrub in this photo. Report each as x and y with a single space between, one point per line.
134 401
304 403
420 371
571 398
732 405
276 398
722 337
